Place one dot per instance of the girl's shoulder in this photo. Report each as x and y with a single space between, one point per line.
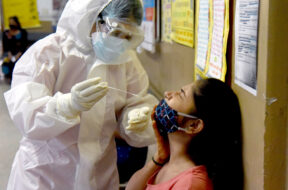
193 178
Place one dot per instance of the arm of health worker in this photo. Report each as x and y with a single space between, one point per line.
137 83
32 100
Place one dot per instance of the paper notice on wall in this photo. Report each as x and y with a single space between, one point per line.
166 20
212 29
246 40
183 22
25 10
202 39
58 7
148 26
216 55
45 9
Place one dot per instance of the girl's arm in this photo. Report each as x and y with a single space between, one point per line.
139 180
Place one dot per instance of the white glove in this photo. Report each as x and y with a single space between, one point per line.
138 119
83 96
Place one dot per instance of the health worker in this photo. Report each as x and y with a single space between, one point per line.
61 102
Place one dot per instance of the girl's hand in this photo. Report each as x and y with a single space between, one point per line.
163 151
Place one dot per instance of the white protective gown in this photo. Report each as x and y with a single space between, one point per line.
77 154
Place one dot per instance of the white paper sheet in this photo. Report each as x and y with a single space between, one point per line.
203 34
216 60
45 9
246 39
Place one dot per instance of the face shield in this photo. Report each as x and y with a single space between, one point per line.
129 31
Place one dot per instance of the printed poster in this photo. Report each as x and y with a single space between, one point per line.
220 30
212 29
148 25
58 6
166 20
25 10
246 40
45 9
202 34
183 22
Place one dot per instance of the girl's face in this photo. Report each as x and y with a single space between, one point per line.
12 22
182 100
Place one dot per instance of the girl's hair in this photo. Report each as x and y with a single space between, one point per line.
219 145
15 18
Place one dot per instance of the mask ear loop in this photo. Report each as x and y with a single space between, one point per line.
185 115
182 129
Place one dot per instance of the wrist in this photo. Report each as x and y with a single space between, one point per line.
157 161
65 108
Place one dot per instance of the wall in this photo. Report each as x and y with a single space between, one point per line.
253 110
169 68
275 148
44 30
264 124
253 115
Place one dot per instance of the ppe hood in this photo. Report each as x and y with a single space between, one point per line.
77 20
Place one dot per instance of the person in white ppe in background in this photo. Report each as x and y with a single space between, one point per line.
61 103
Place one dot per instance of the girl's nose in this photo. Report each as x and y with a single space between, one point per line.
168 95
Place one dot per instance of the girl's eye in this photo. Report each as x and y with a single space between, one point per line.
182 93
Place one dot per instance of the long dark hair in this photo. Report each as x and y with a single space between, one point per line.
219 145
15 18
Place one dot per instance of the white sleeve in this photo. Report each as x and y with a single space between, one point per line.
33 111
31 101
137 83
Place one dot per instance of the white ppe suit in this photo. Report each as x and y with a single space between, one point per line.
77 153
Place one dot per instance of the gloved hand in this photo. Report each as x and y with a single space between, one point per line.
82 97
138 119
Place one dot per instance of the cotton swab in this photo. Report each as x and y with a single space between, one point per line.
123 91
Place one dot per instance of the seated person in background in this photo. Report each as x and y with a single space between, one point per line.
14 45
199 144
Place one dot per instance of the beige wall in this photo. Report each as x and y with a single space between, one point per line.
45 27
253 110
264 124
170 67
277 87
265 121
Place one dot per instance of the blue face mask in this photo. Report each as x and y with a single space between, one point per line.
108 48
167 118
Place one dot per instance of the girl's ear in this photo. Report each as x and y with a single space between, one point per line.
194 126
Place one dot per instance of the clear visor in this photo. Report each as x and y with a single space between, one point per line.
121 29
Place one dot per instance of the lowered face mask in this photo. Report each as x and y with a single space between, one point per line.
167 118
13 27
108 48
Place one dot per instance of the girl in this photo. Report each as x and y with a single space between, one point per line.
198 131
14 45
